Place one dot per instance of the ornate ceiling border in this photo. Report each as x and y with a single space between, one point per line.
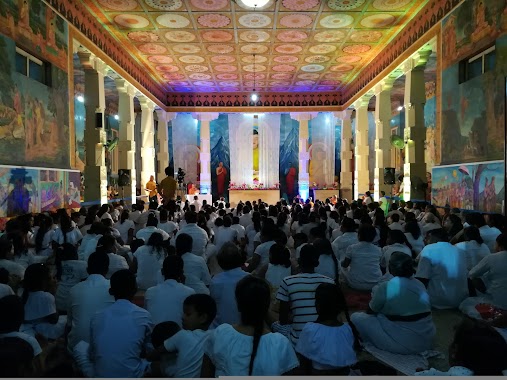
426 19
76 15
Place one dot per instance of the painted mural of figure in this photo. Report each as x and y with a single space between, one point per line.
221 176
18 200
53 132
39 122
24 14
480 16
428 188
485 196
73 196
290 180
51 29
255 140
317 169
491 196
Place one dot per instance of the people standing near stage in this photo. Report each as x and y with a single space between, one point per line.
151 186
167 187
221 177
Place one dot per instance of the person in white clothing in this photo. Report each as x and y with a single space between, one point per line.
349 237
107 245
69 272
196 203
196 271
170 227
396 242
15 270
87 298
248 348
414 236
395 223
199 236
474 247
261 253
442 269
151 227
239 229
187 343
121 332
225 234
148 260
223 285
125 227
361 266
66 233
89 242
246 219
165 301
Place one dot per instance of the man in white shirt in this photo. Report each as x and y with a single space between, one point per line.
246 219
443 270
349 237
87 298
199 236
488 234
395 223
165 301
121 332
223 285
225 234
260 256
239 229
196 203
196 271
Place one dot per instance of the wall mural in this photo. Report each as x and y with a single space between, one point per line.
337 148
220 153
477 186
431 147
289 156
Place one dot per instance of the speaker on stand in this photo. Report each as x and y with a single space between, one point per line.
124 180
390 179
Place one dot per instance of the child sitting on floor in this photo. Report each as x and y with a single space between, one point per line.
327 347
199 310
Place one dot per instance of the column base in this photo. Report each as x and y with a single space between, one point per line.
95 184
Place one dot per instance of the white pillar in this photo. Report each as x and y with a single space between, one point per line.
346 155
304 156
127 145
205 155
383 135
362 172
95 135
148 140
415 131
163 140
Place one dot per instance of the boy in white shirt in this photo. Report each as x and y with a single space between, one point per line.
199 310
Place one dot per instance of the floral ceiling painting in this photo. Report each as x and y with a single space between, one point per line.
218 46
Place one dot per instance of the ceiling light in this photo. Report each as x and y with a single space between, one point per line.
116 117
80 98
254 97
400 108
254 4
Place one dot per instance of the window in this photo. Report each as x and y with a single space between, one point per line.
32 67
477 65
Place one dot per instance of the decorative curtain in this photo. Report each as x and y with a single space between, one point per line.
241 148
269 149
186 151
322 150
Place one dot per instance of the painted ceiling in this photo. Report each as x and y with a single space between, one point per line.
209 45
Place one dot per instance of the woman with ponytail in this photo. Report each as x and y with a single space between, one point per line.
148 261
248 348
328 263
44 236
126 227
328 346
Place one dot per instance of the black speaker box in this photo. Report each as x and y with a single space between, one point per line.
389 177
124 177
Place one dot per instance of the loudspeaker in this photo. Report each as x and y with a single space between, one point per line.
389 176
123 177
98 121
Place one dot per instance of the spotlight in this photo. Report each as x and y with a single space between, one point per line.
116 117
400 108
254 97
80 98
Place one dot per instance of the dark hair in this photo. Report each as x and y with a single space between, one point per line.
5 247
413 228
439 235
472 233
308 257
256 220
330 303
63 253
318 232
157 244
253 297
397 237
173 268
229 257
106 244
324 247
348 225
191 217
395 217
184 244
123 284
4 276
203 304
36 279
45 224
279 255
401 265
98 263
300 236
12 315
152 220
162 332
366 233
164 214
124 216
501 240
479 348
227 221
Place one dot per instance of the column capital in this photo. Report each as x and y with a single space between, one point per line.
417 61
385 85
344 115
146 103
125 87
362 102
303 116
205 116
167 116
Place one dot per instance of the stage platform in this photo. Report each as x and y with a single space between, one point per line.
268 196
322 195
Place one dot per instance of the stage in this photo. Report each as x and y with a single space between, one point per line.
268 196
202 197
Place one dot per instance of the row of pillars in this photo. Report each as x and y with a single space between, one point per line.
353 184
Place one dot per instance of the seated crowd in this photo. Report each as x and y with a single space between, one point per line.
198 290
